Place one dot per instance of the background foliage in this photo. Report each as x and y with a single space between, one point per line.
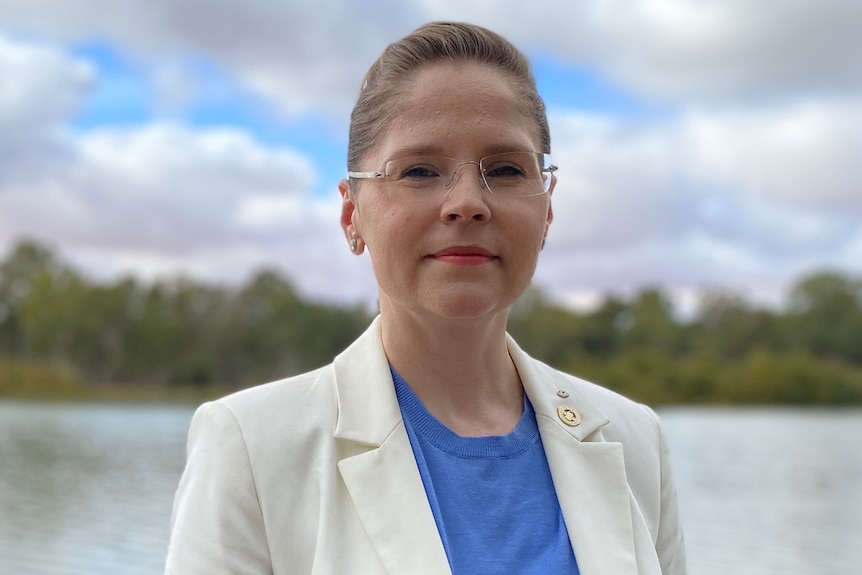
63 335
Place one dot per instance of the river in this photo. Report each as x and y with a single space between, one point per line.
87 488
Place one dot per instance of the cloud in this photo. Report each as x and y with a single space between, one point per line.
42 88
804 155
158 198
32 68
721 49
176 193
142 181
747 178
293 53
304 55
170 179
746 198
685 51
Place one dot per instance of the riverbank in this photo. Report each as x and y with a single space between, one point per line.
23 380
649 377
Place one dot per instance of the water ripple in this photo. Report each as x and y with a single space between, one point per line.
87 489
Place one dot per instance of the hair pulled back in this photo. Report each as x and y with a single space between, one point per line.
435 42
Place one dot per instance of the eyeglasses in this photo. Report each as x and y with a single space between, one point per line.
519 174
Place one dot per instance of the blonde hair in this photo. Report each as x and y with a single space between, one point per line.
435 42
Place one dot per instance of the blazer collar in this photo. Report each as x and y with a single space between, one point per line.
383 481
549 390
379 469
588 472
368 408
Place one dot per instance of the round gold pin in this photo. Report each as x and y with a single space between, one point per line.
568 415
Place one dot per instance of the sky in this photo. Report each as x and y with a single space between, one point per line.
702 145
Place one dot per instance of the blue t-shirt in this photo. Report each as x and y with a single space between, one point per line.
492 497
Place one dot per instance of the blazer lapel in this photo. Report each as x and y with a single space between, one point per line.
593 493
381 477
379 470
390 499
589 474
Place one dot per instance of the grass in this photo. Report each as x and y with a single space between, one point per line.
39 381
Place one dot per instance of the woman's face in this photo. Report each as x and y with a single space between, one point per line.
464 252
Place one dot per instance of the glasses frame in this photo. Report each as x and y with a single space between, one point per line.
549 168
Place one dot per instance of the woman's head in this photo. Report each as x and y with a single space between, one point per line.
438 42
455 221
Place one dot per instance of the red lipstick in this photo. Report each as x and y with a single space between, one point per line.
464 255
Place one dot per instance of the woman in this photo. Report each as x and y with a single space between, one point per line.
433 444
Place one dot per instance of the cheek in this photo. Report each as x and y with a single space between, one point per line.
366 219
530 222
399 219
379 228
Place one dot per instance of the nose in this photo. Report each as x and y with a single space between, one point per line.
465 197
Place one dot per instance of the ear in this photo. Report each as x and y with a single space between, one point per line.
348 210
550 216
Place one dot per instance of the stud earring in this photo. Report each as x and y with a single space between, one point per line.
354 245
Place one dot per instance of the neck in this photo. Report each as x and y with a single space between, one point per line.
459 368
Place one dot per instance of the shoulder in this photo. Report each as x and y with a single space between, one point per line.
301 408
246 474
626 417
605 414
281 396
612 417
622 415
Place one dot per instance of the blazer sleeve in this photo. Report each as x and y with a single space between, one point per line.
217 524
669 538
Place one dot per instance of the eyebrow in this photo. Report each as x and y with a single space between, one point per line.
420 150
432 150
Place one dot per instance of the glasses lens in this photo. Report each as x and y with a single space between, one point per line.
420 172
515 173
510 173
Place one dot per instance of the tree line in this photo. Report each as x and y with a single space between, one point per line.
59 328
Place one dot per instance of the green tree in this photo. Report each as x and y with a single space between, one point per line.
648 323
729 326
825 316
27 263
544 329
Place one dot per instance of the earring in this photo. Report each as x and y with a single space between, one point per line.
353 245
543 244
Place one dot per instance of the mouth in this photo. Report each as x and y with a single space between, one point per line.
464 256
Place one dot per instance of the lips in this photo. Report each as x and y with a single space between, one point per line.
464 255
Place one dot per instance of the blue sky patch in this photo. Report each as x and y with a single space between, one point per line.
207 96
574 87
121 94
125 93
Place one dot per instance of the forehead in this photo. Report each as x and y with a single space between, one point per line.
459 109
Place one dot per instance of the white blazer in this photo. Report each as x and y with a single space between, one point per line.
315 475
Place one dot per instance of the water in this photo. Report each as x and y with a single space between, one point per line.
87 489
769 491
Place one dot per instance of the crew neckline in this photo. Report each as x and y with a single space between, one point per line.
425 425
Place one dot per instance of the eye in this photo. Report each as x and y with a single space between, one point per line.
418 173
505 170
416 169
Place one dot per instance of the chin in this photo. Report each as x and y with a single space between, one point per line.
467 305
